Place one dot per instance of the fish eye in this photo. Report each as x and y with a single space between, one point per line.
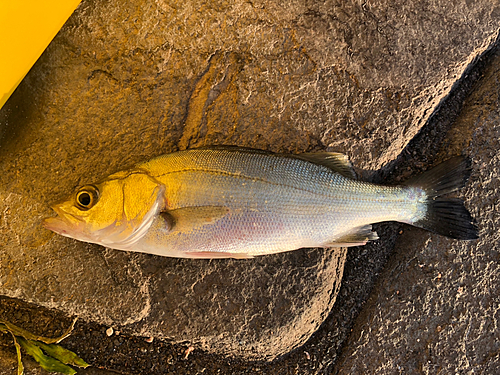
87 197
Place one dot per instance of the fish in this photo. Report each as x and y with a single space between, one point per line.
234 202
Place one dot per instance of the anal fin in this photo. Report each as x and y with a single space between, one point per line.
356 237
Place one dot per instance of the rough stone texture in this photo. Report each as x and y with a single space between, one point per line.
436 308
231 307
126 81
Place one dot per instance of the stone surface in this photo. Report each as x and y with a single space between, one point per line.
123 82
436 308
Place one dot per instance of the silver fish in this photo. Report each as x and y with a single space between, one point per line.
224 202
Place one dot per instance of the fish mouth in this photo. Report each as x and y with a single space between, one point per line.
64 223
55 224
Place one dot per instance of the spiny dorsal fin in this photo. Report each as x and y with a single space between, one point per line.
357 237
334 160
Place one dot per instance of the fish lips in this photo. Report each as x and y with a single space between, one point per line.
64 223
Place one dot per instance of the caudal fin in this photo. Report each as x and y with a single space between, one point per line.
446 216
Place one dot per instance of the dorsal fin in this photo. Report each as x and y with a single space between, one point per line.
334 160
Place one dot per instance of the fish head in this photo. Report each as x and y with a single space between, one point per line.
115 213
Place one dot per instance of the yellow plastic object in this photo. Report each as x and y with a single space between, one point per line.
26 29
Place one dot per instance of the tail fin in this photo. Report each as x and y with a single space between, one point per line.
446 216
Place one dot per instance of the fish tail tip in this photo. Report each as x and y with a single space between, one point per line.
447 216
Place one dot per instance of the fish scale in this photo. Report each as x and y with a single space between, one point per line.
285 203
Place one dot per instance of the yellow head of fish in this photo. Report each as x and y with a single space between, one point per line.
116 212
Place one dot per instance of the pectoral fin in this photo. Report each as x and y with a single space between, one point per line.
357 237
188 219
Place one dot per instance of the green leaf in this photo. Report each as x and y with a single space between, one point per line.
20 367
64 355
47 363
18 331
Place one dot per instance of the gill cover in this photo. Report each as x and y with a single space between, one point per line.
141 199
116 212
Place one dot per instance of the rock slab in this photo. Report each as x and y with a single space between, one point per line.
123 82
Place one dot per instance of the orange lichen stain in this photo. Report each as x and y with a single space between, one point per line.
10 278
355 80
197 102
210 93
302 50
